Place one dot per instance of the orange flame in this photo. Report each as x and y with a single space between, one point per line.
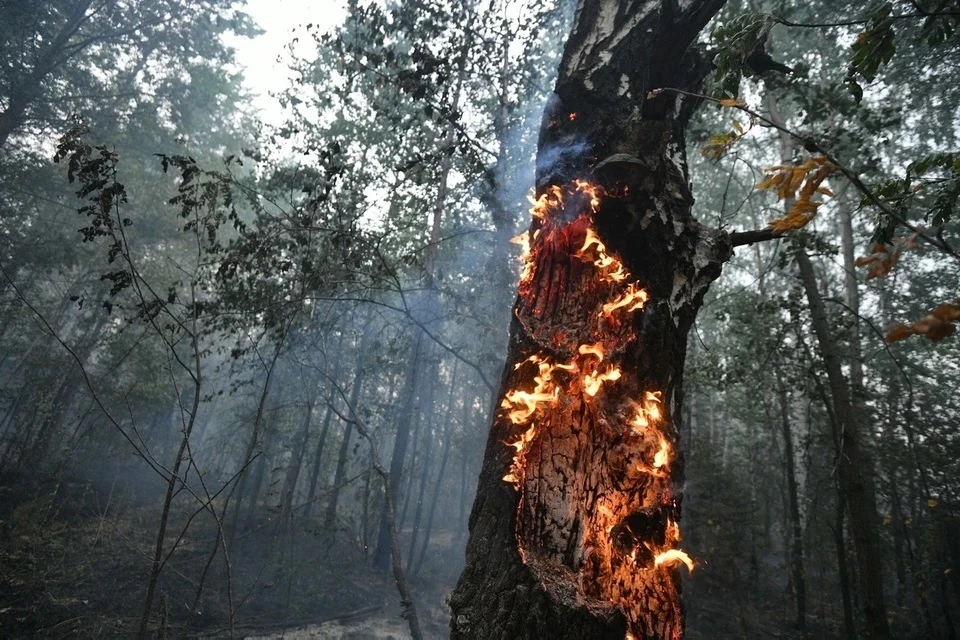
593 349
515 475
662 456
549 200
604 261
592 190
672 557
593 381
632 299
590 369
647 413
526 256
520 405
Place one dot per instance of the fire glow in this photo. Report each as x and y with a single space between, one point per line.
611 566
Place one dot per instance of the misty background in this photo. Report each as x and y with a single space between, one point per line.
243 268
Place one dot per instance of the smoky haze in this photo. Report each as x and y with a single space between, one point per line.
222 324
256 276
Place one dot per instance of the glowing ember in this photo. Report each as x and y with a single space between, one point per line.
672 557
632 299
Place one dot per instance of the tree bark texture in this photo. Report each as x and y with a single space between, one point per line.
574 529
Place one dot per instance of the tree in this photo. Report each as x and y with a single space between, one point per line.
574 530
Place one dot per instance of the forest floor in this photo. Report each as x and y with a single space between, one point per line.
75 558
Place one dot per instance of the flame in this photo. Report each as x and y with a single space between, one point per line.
604 261
672 557
632 299
648 412
520 405
526 256
595 349
591 190
673 531
662 456
593 381
515 475
549 200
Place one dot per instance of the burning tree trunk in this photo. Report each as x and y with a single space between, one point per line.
574 532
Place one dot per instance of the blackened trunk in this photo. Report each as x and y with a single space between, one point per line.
573 528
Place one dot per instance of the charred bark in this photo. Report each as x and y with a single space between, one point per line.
579 541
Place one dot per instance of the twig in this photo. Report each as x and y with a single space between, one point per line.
849 174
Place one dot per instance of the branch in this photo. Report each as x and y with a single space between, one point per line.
853 23
741 238
849 174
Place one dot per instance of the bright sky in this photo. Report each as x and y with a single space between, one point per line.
259 56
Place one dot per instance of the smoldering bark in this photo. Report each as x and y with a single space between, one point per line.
538 563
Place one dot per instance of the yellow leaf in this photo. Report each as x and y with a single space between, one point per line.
932 503
731 102
887 519
738 126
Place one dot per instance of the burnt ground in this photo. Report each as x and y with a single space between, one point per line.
75 559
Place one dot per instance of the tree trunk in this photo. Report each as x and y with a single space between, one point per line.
793 502
856 479
381 557
574 528
330 518
296 463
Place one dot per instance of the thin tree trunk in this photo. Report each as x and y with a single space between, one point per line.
330 518
406 599
293 473
173 480
381 557
435 498
793 502
849 626
318 459
444 424
854 471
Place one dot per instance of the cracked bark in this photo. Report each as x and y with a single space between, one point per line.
534 568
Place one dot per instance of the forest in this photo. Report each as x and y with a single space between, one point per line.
492 301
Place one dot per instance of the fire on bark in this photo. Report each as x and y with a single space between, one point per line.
578 543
